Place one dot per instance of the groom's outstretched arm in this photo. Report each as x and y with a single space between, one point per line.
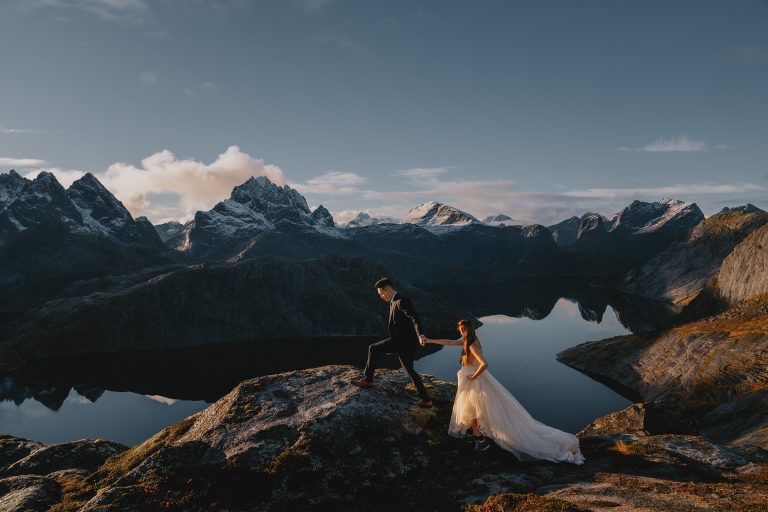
407 308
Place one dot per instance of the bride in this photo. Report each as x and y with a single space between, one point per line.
483 408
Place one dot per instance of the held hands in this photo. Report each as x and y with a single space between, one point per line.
423 340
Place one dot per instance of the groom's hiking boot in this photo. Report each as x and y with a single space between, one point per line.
482 444
363 383
424 404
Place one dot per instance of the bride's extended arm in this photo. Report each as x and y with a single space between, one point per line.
451 343
478 353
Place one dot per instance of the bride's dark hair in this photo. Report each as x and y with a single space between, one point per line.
469 339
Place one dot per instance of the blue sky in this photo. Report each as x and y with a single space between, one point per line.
537 109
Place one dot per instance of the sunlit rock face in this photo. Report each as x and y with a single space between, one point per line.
680 272
744 271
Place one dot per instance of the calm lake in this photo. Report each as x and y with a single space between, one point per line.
128 398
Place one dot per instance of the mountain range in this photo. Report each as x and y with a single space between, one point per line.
71 255
50 237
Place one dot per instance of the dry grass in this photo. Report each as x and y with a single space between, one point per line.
524 502
622 447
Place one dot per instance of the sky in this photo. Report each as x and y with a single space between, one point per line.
535 109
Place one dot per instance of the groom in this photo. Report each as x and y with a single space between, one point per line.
403 339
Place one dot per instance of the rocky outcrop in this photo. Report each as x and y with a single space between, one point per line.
746 208
255 299
35 476
744 271
592 229
28 493
566 232
709 366
45 459
682 271
174 234
308 440
323 217
643 419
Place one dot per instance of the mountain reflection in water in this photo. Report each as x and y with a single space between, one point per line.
186 379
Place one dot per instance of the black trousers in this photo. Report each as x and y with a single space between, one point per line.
387 346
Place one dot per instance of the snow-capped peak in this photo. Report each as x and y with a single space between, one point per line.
254 207
11 184
499 220
365 219
644 217
101 211
438 214
261 194
323 217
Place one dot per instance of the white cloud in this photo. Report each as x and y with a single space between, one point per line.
332 183
64 176
148 78
13 131
673 190
482 197
199 186
165 187
132 11
422 172
681 143
675 144
20 162
205 87
344 216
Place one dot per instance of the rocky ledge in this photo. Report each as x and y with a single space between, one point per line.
307 440
715 368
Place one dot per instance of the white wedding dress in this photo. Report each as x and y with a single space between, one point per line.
501 418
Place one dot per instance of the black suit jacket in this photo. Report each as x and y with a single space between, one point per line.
404 323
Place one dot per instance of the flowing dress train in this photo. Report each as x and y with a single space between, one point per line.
503 419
